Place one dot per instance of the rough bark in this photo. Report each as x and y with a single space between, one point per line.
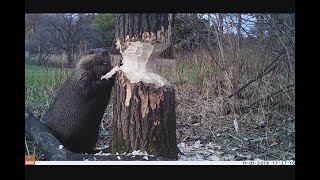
221 19
239 27
142 26
259 25
144 118
49 146
31 21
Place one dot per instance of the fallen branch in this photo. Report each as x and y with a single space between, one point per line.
54 150
264 72
272 94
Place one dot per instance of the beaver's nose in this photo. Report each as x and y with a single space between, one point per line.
104 52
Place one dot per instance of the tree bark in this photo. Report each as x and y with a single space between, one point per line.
221 19
239 27
144 118
259 26
31 21
130 27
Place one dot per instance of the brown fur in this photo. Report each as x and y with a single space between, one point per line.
75 115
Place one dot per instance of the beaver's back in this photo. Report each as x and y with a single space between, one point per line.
75 115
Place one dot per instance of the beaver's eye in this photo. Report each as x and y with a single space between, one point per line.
91 52
104 53
101 62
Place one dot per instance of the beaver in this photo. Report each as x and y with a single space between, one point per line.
76 112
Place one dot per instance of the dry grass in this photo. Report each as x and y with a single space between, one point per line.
264 110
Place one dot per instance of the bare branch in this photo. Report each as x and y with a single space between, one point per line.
264 72
273 93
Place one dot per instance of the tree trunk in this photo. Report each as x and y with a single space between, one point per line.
259 26
31 21
130 27
144 102
221 17
239 27
69 57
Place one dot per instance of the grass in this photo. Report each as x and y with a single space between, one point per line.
193 73
202 91
41 83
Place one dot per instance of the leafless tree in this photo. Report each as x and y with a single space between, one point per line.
66 31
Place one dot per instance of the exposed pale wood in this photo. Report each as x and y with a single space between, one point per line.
144 118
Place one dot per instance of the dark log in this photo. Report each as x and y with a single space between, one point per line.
44 139
54 151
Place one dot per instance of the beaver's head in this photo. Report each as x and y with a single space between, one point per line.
96 61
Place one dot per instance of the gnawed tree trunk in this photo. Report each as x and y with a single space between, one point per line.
144 103
144 118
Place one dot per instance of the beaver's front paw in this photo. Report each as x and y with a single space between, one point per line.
111 73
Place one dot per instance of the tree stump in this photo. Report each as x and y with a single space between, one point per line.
144 118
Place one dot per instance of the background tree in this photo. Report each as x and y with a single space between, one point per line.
105 25
221 19
239 29
31 21
67 35
67 31
37 43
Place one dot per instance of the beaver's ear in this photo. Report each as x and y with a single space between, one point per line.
91 52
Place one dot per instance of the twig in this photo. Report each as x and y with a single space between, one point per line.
25 140
264 72
241 139
272 94
252 80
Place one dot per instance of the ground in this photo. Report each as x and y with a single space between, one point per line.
203 135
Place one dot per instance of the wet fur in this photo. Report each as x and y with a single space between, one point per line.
75 115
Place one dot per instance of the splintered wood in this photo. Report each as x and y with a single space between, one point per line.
135 59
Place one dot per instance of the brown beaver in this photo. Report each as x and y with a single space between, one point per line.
75 115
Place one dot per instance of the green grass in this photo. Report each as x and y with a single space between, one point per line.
32 67
195 73
41 83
